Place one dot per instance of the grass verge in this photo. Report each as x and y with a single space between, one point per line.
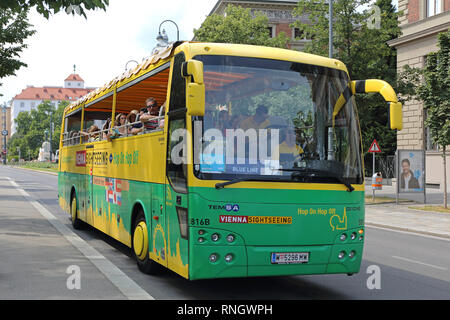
432 209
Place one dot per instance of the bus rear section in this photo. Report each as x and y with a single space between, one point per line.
269 232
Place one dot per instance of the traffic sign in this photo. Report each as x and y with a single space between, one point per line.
4 132
374 148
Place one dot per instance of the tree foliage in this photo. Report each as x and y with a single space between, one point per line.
239 26
14 30
31 128
434 91
361 45
47 7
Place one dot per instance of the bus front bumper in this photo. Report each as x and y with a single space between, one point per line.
211 261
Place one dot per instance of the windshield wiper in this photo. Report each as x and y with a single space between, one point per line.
222 185
328 173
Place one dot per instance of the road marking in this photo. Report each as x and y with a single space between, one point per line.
422 263
126 285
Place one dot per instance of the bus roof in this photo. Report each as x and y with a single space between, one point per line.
198 48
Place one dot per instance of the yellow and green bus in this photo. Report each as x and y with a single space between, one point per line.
253 167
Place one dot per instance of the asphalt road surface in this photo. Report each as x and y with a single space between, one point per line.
42 257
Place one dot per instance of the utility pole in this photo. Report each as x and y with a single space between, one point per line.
330 29
4 133
330 107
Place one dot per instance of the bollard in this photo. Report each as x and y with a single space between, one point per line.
377 183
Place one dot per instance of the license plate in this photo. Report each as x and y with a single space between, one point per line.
289 257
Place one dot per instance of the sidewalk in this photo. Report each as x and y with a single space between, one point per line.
401 217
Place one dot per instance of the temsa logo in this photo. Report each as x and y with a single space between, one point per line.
227 207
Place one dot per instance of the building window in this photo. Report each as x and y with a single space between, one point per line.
22 104
430 146
299 34
434 7
271 30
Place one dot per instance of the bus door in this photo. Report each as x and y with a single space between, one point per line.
177 197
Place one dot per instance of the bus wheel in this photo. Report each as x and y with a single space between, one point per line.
140 246
76 223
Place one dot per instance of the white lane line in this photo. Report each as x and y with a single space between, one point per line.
126 285
419 262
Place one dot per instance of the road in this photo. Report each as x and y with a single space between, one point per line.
39 251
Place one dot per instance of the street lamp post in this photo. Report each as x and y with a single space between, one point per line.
126 65
162 38
178 30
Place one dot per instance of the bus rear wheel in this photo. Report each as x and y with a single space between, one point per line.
140 246
77 224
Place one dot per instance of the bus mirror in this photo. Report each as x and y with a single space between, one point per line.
195 90
385 89
193 69
195 99
395 115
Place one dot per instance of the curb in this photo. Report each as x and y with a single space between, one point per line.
428 233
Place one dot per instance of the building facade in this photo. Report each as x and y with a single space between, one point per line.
421 22
279 13
31 96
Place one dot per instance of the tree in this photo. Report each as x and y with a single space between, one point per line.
14 30
239 26
434 91
362 46
31 127
47 7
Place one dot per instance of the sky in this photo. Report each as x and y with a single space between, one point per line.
101 45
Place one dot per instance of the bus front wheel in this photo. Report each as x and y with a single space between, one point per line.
140 246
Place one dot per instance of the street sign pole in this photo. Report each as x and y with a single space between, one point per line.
373 173
374 148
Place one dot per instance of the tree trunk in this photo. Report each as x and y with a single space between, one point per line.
445 178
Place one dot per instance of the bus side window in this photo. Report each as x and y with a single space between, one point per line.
71 127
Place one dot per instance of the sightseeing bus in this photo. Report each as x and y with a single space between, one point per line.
252 167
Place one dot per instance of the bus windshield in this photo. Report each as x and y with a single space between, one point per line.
275 120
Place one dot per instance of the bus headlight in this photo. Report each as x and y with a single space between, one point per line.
341 255
213 257
353 236
343 237
215 237
351 254
229 258
230 238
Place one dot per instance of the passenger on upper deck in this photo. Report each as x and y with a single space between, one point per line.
134 128
119 128
153 112
93 133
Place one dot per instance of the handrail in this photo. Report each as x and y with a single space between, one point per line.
76 134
